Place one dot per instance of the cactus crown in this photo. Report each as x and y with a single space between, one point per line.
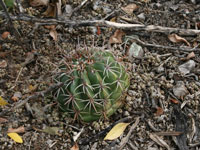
94 83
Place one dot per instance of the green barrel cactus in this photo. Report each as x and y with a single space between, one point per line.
94 84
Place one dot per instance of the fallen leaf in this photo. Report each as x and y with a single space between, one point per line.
53 33
2 102
15 137
98 30
159 111
36 3
51 130
50 27
189 56
32 88
17 130
5 35
16 96
130 8
117 37
3 64
75 147
116 131
174 101
176 39
3 120
51 10
114 19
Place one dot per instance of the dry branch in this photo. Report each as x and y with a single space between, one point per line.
126 139
34 96
11 25
104 23
167 47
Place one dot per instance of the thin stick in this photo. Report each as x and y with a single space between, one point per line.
79 7
95 137
167 47
34 96
16 33
125 139
104 23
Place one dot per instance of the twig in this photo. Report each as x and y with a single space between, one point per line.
125 139
168 47
77 8
132 27
20 71
34 96
38 94
16 33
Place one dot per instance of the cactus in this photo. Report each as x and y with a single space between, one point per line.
94 84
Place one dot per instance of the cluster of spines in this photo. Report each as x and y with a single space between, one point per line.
79 95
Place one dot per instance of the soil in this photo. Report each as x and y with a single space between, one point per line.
163 97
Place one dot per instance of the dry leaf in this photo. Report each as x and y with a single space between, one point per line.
53 33
3 120
176 39
174 101
116 131
117 37
36 3
3 64
16 96
32 88
2 102
17 130
189 56
51 130
113 19
15 137
50 27
98 30
75 147
5 35
51 10
30 57
130 8
159 111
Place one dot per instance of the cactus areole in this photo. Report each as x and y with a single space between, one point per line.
94 85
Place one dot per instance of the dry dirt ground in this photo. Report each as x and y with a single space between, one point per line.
162 103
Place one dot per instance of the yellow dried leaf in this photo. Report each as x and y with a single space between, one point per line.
2 102
15 137
116 131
